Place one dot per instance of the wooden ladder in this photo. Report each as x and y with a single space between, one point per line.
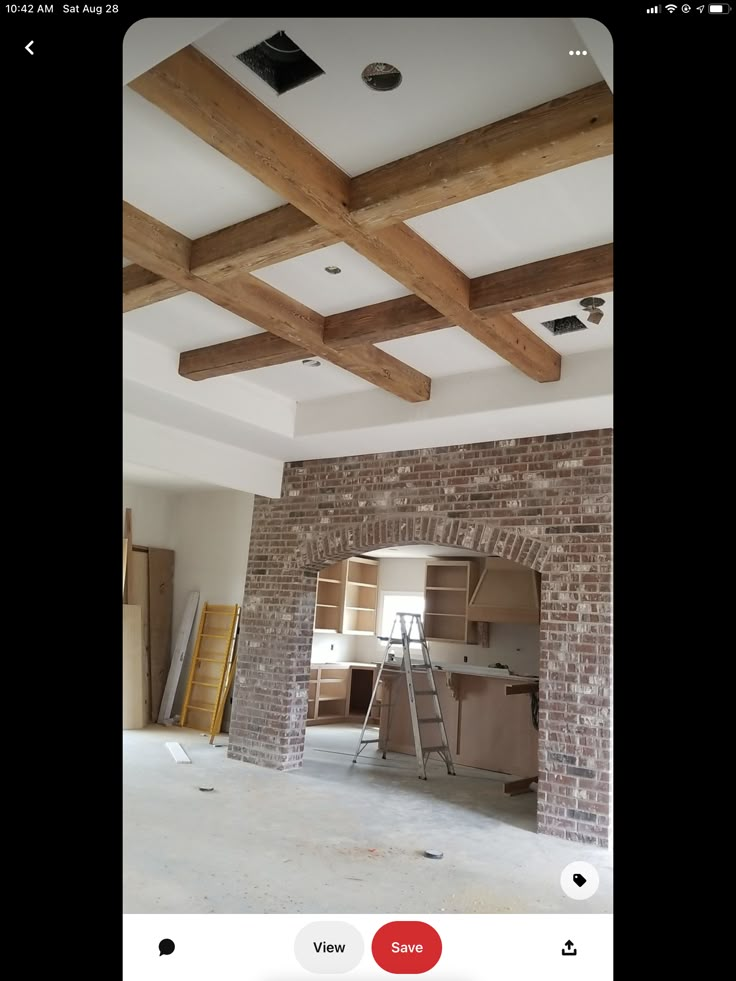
213 669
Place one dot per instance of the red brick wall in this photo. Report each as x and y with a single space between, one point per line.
543 501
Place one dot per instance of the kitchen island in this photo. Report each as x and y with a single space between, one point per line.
487 715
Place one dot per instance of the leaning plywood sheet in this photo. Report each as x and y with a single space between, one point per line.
178 753
134 700
177 657
138 596
161 596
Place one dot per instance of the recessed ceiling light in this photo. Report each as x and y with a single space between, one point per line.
333 270
311 362
381 77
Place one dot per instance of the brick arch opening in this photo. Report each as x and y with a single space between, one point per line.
476 536
543 501
397 530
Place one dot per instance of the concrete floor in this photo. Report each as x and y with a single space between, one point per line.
333 837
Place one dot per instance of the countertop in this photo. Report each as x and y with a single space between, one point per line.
475 669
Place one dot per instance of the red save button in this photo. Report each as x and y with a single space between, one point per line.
406 947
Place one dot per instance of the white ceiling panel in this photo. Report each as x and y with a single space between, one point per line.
181 180
168 410
594 337
187 321
358 284
451 351
560 212
458 74
304 383
134 473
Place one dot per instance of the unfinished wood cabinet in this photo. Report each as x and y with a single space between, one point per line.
347 597
447 590
361 596
328 699
329 604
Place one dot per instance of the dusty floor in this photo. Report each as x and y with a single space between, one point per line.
333 837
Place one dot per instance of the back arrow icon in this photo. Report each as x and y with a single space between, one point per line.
28 48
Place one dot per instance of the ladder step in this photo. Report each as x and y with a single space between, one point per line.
425 691
432 718
207 684
202 708
433 749
364 741
211 660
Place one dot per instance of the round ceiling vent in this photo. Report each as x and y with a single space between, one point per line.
381 77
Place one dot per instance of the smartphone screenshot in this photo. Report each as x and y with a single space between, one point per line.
367 502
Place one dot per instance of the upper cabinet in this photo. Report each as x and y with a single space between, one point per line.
447 590
330 590
347 597
361 596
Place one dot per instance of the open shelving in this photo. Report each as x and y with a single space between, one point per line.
328 695
329 601
361 596
448 586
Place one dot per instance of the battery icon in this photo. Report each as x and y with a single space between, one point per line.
719 8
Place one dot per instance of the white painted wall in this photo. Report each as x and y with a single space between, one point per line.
212 536
514 644
209 532
151 518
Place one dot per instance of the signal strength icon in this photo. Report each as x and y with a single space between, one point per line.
655 10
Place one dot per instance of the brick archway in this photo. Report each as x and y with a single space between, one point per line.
544 502
477 536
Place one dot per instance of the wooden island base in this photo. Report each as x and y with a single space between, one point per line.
488 721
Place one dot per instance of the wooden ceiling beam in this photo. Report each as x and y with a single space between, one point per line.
245 354
539 284
208 102
570 130
282 233
167 253
556 280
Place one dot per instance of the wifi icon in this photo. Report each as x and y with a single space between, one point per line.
670 7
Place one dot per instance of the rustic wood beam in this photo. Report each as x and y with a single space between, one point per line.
142 287
282 233
537 284
211 104
245 354
570 130
168 253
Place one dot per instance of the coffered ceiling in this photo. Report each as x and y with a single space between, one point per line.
463 210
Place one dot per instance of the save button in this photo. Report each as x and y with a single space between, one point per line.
406 947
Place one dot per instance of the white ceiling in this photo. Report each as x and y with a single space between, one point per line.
187 321
458 74
358 284
134 473
561 212
172 174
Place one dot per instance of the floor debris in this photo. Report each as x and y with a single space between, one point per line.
178 753
431 854
206 789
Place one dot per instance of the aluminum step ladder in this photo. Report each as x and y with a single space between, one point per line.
405 624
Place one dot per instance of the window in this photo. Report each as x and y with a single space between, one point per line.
394 603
